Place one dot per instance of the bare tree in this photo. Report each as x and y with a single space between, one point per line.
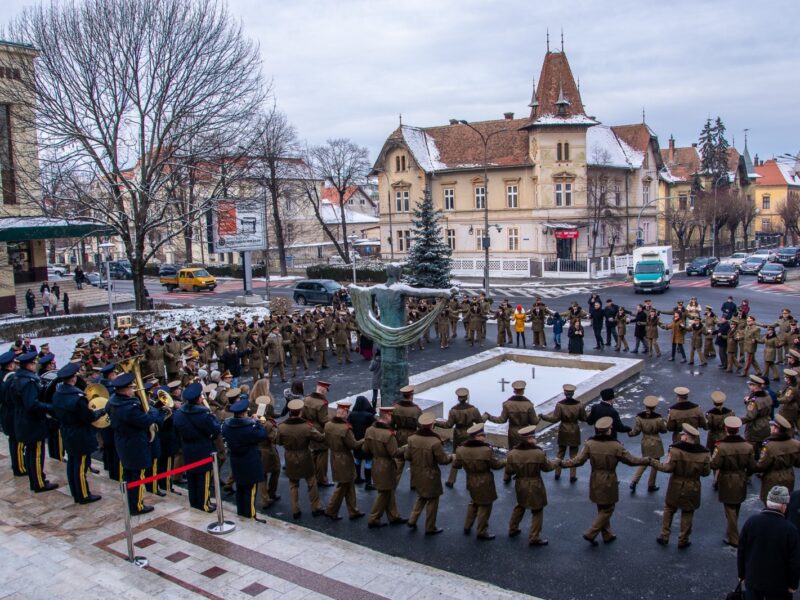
683 223
341 164
789 212
120 87
602 213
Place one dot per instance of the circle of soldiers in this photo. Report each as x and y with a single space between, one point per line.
212 411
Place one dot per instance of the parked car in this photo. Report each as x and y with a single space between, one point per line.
752 265
53 275
92 279
725 274
317 291
772 273
736 259
169 270
789 256
768 254
702 265
120 269
59 270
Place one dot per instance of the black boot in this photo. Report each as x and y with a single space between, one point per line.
359 479
368 478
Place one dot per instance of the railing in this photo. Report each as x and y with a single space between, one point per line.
498 267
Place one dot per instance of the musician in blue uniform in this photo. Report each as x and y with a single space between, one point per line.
197 429
49 377
131 425
242 437
30 416
155 442
16 449
168 441
71 408
111 461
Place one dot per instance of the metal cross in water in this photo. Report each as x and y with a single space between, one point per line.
503 383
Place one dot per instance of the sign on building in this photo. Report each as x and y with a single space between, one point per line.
238 225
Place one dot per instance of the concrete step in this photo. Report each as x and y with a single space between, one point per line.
89 296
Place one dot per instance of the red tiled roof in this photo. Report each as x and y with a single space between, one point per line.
331 195
686 161
771 174
637 136
556 76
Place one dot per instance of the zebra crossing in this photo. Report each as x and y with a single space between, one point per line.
543 292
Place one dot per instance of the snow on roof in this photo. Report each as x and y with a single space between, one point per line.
556 120
423 148
605 149
666 175
790 169
332 214
14 222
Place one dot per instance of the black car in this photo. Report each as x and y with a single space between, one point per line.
772 273
120 269
317 291
168 270
752 265
789 256
702 265
725 274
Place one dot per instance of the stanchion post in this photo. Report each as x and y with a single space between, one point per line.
220 526
139 561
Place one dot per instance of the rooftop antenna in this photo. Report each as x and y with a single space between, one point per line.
745 138
562 39
548 40
644 120
401 119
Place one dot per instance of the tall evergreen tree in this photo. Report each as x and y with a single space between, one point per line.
429 261
721 147
707 145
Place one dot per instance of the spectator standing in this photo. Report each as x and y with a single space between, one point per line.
55 291
79 277
597 315
575 336
46 299
376 368
66 303
30 301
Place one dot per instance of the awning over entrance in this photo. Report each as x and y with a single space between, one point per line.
549 225
20 229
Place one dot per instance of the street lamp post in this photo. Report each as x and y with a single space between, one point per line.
639 232
107 246
486 240
353 237
266 242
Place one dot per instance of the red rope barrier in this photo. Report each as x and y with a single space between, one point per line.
189 467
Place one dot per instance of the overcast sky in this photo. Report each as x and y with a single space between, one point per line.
348 68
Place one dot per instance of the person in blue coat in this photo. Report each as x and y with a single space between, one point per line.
71 408
16 449
131 427
30 420
168 440
110 457
197 429
243 436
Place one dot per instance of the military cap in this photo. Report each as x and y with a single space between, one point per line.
45 345
529 430
475 429
518 385
756 379
47 359
732 422
795 353
192 392
789 372
80 342
324 384
651 401
226 373
407 389
7 357
689 429
604 423
264 400
174 384
708 307
233 393
123 380
344 404
209 388
68 370
295 405
462 392
781 421
426 419
106 369
148 385
239 406
718 397
386 409
27 357
681 391
568 387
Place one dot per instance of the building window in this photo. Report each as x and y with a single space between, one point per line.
480 196
645 192
563 194
765 202
513 238
566 151
766 225
350 201
400 163
404 240
451 238
479 239
559 152
692 199
603 235
512 195
617 195
7 175
449 199
683 202
645 161
362 201
646 232
401 200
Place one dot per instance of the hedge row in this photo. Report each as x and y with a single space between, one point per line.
235 271
345 273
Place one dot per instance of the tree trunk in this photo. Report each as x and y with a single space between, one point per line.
187 244
277 222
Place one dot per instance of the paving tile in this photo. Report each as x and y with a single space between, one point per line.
144 543
177 556
254 589
213 572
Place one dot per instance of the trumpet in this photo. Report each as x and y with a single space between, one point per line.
97 395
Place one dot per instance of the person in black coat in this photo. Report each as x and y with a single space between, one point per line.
639 330
30 301
721 332
243 436
768 557
610 316
131 427
605 408
30 420
16 449
231 360
597 315
360 418
197 429
728 308
71 408
575 335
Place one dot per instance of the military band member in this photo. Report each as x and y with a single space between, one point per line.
296 435
569 412
651 425
715 419
684 411
425 452
404 422
780 455
604 453
16 449
270 459
341 441
687 462
380 442
518 412
756 420
733 460
315 411
242 436
772 342
460 418
788 398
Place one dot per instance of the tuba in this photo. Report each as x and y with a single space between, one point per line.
165 403
131 365
97 395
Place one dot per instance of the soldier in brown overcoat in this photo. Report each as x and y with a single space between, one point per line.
296 434
477 458
404 422
788 398
570 413
270 460
315 410
526 462
425 451
518 412
759 409
604 452
780 455
687 462
275 353
380 442
341 441
733 460
461 417
684 411
651 425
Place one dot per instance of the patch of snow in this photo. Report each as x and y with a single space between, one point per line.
423 148
790 171
605 149
556 120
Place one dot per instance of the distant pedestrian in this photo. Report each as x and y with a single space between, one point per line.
56 292
558 328
66 303
79 277
768 558
30 301
575 335
520 317
45 286
46 299
376 367
598 318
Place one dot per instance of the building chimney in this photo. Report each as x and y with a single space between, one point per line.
671 149
755 161
508 116
694 145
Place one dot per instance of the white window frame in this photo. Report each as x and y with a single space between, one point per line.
766 202
645 192
450 236
401 200
449 198
512 195
513 238
478 238
480 197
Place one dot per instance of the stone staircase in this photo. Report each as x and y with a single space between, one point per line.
89 296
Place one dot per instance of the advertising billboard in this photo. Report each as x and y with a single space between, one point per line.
238 225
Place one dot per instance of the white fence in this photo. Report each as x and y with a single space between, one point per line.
554 268
498 267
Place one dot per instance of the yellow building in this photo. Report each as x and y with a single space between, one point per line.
779 181
560 184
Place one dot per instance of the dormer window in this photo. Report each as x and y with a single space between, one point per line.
562 151
400 163
562 103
